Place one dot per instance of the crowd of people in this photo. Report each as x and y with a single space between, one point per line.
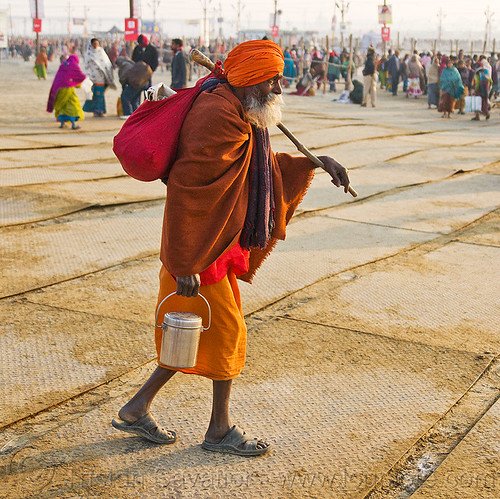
303 67
450 82
100 60
309 69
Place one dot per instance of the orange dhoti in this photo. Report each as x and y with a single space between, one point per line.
221 354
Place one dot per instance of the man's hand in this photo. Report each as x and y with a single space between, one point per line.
336 171
188 285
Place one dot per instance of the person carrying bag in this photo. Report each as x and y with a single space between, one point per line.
134 78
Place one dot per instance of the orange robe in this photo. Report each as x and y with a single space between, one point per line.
208 185
221 353
207 198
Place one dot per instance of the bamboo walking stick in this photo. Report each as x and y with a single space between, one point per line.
306 152
202 59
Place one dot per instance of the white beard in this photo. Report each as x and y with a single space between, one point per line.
264 114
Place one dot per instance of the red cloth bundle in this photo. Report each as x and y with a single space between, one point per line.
147 143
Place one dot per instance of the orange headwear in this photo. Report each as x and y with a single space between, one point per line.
253 62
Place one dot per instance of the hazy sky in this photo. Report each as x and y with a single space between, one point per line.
462 17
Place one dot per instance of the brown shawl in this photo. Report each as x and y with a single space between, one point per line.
207 190
415 68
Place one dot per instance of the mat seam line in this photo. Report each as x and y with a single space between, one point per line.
381 336
485 371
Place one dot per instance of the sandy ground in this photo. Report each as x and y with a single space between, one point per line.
373 353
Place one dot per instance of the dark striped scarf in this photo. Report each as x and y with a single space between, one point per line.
259 221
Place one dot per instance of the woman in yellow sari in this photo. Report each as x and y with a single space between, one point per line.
62 97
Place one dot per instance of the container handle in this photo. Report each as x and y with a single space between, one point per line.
199 294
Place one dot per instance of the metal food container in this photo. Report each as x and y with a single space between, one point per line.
181 337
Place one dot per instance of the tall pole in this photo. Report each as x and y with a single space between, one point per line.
441 16
69 21
205 14
277 12
205 5
156 4
327 56
10 20
343 10
334 23
487 32
348 82
85 23
129 45
301 60
239 9
384 43
37 37
220 20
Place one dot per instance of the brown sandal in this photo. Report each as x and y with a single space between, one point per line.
236 442
146 427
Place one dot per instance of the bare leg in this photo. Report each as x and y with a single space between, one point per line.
139 404
219 421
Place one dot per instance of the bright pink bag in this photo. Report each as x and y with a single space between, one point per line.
147 143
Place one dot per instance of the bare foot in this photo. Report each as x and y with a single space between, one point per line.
131 414
215 434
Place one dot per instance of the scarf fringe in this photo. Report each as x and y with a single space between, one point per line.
262 254
259 256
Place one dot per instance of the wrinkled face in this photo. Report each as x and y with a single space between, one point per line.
263 102
273 85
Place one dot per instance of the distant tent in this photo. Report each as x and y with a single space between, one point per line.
115 31
112 33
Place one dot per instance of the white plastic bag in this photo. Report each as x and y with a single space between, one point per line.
87 88
159 92
472 104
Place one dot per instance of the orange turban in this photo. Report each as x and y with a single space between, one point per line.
253 62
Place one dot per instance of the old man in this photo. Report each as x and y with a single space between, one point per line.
229 199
